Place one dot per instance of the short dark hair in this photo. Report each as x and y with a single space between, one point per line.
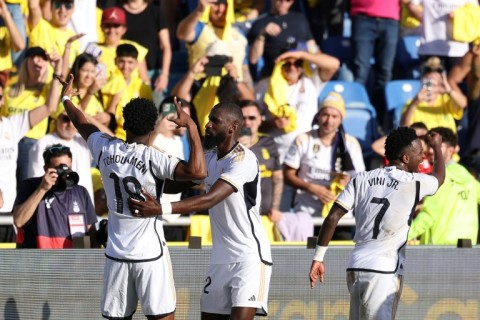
233 112
249 103
55 151
397 141
419 125
140 116
126 50
448 136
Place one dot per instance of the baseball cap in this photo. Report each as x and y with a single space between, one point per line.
36 51
114 15
334 100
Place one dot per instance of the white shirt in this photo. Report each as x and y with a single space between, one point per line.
313 160
383 202
81 158
302 95
12 129
436 28
125 167
237 232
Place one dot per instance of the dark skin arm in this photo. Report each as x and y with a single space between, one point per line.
150 207
317 269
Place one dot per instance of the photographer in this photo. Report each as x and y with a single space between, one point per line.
52 209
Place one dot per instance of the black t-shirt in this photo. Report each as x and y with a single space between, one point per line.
295 29
268 159
143 28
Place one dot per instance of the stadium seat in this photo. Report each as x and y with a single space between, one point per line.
339 47
361 118
407 59
397 94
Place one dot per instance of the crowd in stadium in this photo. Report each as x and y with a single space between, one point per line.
319 85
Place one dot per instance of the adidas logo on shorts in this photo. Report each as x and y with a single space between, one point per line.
252 298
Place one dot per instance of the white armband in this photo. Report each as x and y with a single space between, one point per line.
166 208
65 98
319 253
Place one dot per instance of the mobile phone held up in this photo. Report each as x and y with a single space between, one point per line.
215 65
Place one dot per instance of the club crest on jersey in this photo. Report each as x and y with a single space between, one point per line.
76 207
316 148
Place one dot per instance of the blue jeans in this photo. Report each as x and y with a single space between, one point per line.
375 37
23 161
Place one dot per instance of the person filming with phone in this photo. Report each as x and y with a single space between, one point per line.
437 104
212 79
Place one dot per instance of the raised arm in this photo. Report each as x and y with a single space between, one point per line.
327 65
40 113
435 141
34 13
196 167
183 87
186 27
76 115
18 43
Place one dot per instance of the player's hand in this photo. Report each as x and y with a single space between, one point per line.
49 179
434 139
182 118
67 86
148 208
317 272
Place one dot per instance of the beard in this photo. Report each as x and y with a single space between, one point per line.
211 141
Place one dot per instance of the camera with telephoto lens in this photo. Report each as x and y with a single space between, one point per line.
67 178
215 64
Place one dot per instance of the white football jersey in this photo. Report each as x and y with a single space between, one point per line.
383 202
126 168
237 232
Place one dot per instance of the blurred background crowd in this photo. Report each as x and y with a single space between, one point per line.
320 84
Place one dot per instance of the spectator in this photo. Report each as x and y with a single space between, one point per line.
52 209
146 25
468 70
211 22
12 129
291 93
241 259
436 104
266 152
124 85
84 21
276 32
322 158
326 18
114 27
436 30
67 135
30 91
53 34
15 9
383 200
12 40
375 28
89 79
452 212
213 87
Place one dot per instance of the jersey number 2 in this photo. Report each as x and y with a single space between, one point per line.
385 204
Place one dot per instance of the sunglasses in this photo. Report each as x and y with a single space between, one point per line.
111 26
251 118
58 5
65 118
296 64
430 69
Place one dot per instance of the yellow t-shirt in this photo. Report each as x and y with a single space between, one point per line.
442 113
29 99
5 56
52 38
136 88
108 55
